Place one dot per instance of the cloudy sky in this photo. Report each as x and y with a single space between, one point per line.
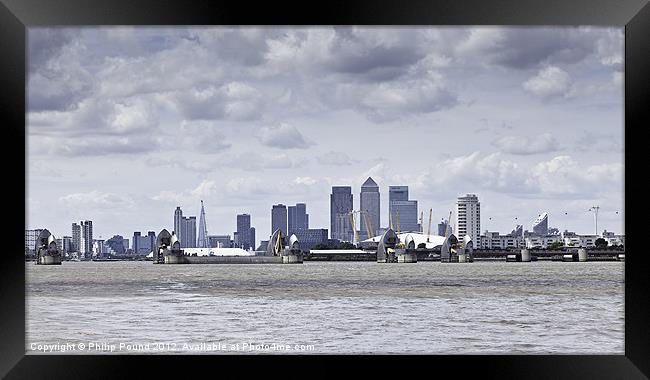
125 124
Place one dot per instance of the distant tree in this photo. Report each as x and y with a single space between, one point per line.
322 246
556 245
422 245
346 245
600 243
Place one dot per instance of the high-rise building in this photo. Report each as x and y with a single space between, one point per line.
178 223
279 218
76 237
66 244
298 219
468 218
188 228
86 238
151 235
31 236
341 204
370 209
135 243
244 231
444 226
540 225
403 212
203 230
251 237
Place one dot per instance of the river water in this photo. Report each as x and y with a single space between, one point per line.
326 307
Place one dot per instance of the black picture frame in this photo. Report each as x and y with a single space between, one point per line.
18 15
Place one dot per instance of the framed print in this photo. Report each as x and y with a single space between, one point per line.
432 184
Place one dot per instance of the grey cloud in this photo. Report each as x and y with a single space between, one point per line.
284 136
529 47
232 101
98 145
45 43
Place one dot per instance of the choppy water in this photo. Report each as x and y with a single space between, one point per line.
334 307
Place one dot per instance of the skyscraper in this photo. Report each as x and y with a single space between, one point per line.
370 208
188 228
341 203
402 211
297 218
178 223
152 240
76 237
279 218
468 218
444 227
203 230
86 238
251 237
244 231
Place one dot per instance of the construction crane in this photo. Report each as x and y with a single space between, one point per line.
368 223
429 229
353 222
397 221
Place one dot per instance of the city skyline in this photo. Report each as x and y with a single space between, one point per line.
529 119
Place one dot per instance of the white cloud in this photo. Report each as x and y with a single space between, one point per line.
97 199
524 145
549 82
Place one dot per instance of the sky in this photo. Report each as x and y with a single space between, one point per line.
126 123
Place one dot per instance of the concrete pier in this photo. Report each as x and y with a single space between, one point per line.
407 257
582 254
525 255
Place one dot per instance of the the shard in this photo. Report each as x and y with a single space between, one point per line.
203 230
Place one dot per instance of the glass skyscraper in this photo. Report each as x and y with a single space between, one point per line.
340 206
279 218
370 209
403 212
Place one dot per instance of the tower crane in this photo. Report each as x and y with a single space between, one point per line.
397 221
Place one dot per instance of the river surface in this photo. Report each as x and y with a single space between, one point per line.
326 307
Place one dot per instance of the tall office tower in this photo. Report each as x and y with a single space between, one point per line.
341 203
86 238
402 211
243 231
279 218
152 240
540 225
66 244
443 227
203 230
297 218
251 237
370 209
76 237
135 243
188 228
178 223
468 218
